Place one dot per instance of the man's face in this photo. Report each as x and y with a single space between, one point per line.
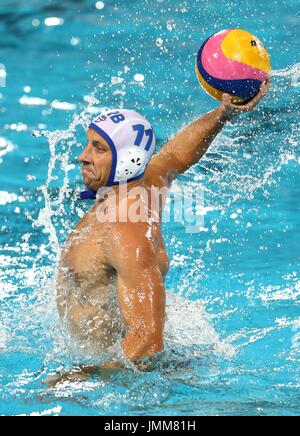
96 161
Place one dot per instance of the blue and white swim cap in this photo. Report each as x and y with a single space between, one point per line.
132 142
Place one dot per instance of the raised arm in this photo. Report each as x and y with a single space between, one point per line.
189 145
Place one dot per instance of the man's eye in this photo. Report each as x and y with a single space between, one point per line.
98 146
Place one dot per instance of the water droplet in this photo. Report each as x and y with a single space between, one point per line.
139 77
159 42
53 21
75 41
99 5
171 25
35 22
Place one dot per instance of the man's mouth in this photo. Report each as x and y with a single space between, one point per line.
86 170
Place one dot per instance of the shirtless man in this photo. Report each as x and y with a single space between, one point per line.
110 283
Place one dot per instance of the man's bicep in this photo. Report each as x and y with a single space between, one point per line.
140 288
142 304
141 297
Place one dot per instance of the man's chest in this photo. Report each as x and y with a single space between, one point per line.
84 253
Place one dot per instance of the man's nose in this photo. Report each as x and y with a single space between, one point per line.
84 156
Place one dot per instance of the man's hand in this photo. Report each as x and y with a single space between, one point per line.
230 110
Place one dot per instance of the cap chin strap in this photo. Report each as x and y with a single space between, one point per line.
88 195
92 195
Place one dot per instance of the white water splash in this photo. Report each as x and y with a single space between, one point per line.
53 208
189 324
55 411
3 338
292 73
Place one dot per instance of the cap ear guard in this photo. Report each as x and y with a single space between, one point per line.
132 163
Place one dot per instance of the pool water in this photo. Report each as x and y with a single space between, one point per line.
233 330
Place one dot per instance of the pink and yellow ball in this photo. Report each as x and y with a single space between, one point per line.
233 61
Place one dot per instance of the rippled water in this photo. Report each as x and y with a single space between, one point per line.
233 327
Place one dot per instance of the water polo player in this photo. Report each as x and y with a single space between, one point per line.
110 281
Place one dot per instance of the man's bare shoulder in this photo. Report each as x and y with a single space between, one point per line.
131 243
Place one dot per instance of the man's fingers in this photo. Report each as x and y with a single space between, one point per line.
265 87
226 99
244 108
255 100
232 109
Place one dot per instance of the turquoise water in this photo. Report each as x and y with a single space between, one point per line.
233 331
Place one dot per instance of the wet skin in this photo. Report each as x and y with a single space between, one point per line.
110 280
91 288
